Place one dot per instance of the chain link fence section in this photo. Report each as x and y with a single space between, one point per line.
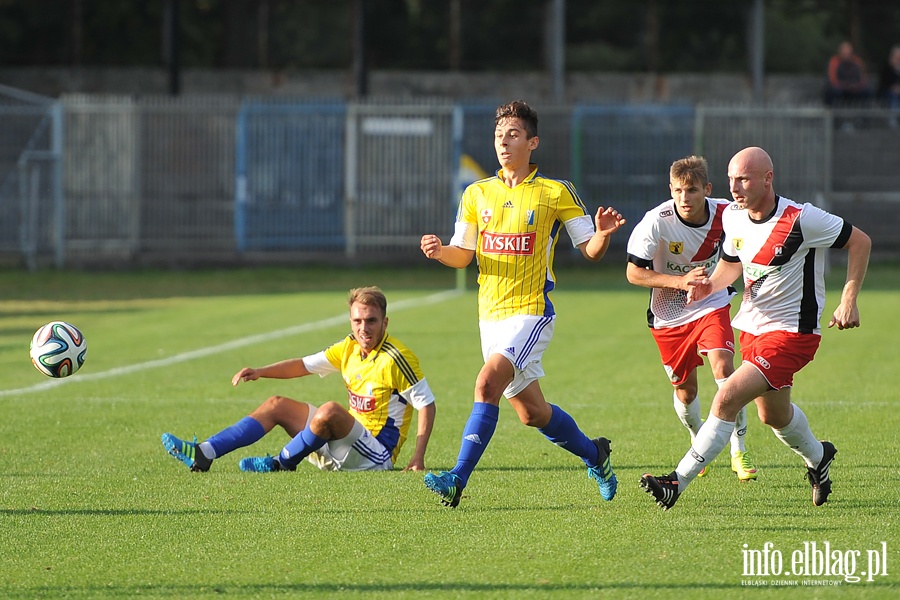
149 176
32 212
622 154
118 181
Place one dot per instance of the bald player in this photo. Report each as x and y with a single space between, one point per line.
510 223
779 246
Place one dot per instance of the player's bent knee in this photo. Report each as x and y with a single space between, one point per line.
275 403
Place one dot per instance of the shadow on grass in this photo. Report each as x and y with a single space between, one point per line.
111 512
343 589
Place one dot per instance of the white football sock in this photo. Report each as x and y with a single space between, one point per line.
207 450
799 437
688 414
740 430
709 442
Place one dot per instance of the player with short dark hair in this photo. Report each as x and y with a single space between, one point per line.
384 384
674 244
779 246
511 222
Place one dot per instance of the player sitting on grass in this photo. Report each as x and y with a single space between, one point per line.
384 383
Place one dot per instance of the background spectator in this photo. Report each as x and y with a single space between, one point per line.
847 80
889 82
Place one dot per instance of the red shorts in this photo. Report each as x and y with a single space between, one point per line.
779 354
680 347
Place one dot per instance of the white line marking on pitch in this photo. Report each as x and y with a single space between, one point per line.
232 345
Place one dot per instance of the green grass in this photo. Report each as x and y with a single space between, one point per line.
91 506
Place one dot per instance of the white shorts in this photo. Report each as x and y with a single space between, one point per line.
359 451
522 339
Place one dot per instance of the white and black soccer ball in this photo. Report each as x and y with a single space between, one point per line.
58 349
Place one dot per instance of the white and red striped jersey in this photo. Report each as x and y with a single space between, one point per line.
783 258
664 242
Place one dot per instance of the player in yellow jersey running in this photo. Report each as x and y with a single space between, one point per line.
511 223
384 384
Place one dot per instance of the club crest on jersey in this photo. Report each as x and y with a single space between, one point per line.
529 217
486 215
738 243
676 247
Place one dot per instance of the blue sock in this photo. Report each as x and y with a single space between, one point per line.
563 431
476 435
243 433
304 444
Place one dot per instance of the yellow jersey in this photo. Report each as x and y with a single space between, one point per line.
514 233
383 388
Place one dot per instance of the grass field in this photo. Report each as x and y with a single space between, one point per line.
91 505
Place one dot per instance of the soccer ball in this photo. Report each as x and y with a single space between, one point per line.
58 349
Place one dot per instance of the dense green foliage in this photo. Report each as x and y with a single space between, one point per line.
607 35
91 506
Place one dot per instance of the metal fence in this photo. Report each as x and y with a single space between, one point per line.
149 176
220 179
32 217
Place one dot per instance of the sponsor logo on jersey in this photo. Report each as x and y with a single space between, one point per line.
510 350
508 204
738 243
759 272
486 215
508 243
677 268
361 404
676 247
778 249
666 213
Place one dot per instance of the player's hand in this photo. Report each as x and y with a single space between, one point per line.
608 220
845 317
693 277
698 289
431 246
415 465
245 374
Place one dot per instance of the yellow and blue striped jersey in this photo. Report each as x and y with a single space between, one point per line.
514 233
384 387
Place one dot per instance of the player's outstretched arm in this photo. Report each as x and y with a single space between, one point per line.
452 256
423 434
859 246
606 222
286 369
652 279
